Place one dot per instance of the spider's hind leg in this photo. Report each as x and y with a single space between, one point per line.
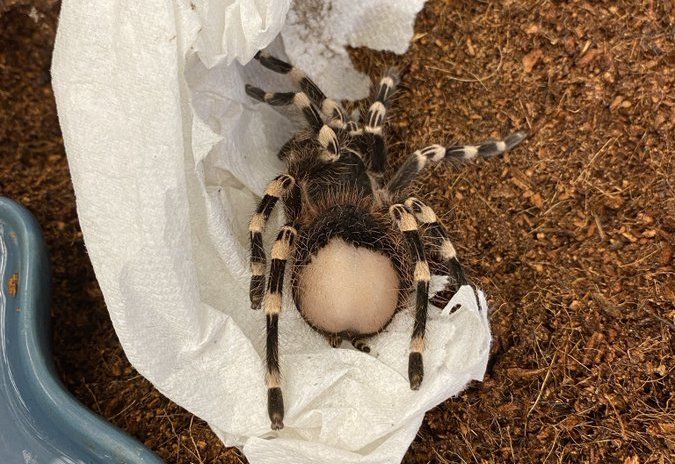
408 226
276 189
334 340
442 246
360 344
281 251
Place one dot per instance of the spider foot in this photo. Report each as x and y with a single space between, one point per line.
275 408
360 345
277 423
334 340
415 370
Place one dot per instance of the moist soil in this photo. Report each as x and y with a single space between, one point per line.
570 235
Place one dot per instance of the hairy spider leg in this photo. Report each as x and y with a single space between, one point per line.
486 149
360 344
412 166
334 340
442 246
434 153
275 189
329 107
378 109
371 136
408 226
281 251
325 135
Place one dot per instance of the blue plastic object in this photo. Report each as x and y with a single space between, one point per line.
40 422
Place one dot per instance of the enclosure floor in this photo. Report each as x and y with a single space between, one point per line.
570 235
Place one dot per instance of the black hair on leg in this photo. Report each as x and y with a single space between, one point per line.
330 108
275 189
434 153
371 137
442 245
408 226
281 251
325 135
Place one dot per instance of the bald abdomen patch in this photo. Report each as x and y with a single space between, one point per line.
348 289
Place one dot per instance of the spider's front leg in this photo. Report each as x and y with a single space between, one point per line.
281 251
329 107
408 226
370 138
324 134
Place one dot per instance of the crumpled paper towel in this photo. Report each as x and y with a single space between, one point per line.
168 157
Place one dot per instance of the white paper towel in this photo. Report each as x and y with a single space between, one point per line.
167 155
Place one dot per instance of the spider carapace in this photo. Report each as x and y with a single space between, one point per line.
357 242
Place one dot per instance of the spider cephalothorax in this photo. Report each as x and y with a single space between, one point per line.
353 239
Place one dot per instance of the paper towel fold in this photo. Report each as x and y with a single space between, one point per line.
167 155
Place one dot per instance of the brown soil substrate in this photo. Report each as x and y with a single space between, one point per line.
571 235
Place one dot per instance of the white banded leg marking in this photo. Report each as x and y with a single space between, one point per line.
408 226
275 190
371 135
413 165
444 247
330 108
298 99
376 115
281 251
328 140
486 149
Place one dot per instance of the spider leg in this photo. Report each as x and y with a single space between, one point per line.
334 340
434 153
443 247
408 226
275 189
378 109
370 137
360 344
329 107
298 99
281 251
324 133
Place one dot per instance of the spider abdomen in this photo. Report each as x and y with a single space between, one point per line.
348 289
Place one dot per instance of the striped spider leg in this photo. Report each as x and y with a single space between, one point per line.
434 153
279 187
439 241
413 211
283 186
325 135
281 251
370 138
408 226
331 109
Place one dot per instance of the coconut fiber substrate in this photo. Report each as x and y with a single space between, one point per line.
570 235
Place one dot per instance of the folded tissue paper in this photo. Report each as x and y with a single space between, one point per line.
168 158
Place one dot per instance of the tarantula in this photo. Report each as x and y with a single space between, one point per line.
353 237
